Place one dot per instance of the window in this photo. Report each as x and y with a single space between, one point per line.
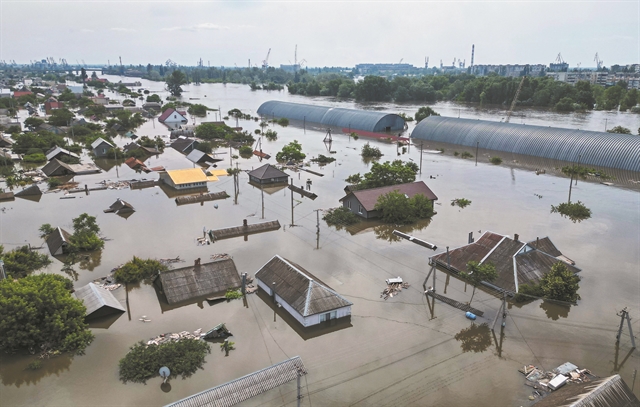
348 202
360 209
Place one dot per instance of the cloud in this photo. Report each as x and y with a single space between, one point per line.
122 29
197 27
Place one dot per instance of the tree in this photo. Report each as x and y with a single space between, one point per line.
60 117
137 270
198 110
291 152
175 82
39 313
619 130
477 273
560 284
388 173
373 88
85 236
576 211
22 261
154 98
397 208
213 131
424 112
370 152
476 338
33 122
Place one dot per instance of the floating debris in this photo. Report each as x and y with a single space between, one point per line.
175 337
544 382
220 256
169 261
394 287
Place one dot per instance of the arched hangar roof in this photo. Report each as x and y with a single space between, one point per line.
621 151
366 120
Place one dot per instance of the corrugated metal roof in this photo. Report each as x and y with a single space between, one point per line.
246 387
95 298
198 281
267 171
610 391
599 149
55 151
369 197
367 120
99 141
546 245
54 166
300 289
187 176
56 239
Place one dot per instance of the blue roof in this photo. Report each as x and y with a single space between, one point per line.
367 120
619 151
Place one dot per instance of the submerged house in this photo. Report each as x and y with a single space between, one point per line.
56 167
200 280
186 178
172 116
58 241
98 301
135 146
303 295
609 391
184 145
268 175
57 152
101 147
516 262
200 157
120 206
362 202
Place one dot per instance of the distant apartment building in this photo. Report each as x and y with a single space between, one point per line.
509 70
603 78
385 68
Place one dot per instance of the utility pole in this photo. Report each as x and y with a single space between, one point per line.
299 393
262 193
292 224
477 145
318 228
624 314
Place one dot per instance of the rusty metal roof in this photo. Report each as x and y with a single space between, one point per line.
546 245
476 251
369 197
300 289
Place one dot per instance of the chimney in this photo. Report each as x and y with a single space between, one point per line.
196 263
537 242
516 237
273 291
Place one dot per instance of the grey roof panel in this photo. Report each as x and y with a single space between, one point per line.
620 151
267 171
367 120
95 298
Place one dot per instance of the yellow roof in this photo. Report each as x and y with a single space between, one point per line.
217 173
188 176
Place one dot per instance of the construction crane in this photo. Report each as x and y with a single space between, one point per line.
559 58
515 100
426 62
598 61
265 63
401 59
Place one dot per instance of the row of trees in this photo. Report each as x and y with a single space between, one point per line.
491 89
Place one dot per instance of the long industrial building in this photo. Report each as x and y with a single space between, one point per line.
591 148
366 120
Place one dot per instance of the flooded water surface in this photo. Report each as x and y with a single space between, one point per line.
399 351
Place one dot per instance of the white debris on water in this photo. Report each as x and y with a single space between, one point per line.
176 337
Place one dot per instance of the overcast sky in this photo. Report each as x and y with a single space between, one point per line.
328 33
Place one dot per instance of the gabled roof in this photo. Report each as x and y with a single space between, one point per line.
610 391
31 190
99 141
546 245
56 239
96 298
121 206
516 262
300 289
53 165
182 144
267 171
55 151
165 115
198 156
369 197
196 281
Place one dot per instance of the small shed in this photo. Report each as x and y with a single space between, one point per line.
303 295
101 147
184 145
58 241
199 280
200 157
135 146
98 301
5 142
58 152
267 175
56 167
362 202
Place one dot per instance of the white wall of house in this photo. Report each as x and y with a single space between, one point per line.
176 117
311 319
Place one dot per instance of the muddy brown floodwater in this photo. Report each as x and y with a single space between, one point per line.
394 352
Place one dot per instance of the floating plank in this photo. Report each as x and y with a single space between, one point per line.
415 240
313 172
261 154
456 304
302 192
183 200
144 184
246 387
243 230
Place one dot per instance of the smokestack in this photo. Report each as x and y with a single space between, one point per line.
473 49
516 237
537 242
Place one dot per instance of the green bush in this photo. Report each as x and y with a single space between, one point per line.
323 159
575 211
34 158
137 270
271 135
340 217
495 160
291 152
466 154
232 294
53 183
460 202
283 121
395 207
22 261
370 152
143 362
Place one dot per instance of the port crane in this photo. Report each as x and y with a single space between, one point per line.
598 61
265 63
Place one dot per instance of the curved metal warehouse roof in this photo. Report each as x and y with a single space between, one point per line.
621 151
366 120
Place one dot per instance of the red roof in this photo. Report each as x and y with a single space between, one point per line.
165 115
369 197
17 94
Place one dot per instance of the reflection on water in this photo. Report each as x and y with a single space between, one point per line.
385 231
476 338
555 310
14 372
104 322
